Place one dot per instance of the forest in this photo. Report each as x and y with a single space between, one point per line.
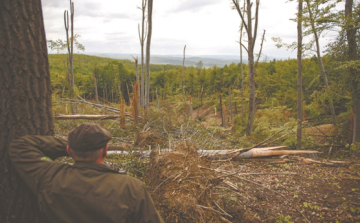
269 140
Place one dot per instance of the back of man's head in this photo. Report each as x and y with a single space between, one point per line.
87 142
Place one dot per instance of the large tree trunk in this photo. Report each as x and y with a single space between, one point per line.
25 101
148 43
353 55
299 75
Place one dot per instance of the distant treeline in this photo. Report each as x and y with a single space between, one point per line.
275 82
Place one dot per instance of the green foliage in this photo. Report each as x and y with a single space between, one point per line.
283 219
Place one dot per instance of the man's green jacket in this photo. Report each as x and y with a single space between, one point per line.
85 192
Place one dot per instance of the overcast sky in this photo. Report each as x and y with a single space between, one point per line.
207 27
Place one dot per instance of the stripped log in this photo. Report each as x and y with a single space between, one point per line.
263 153
228 154
89 117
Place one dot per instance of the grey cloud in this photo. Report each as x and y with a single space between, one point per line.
191 5
54 3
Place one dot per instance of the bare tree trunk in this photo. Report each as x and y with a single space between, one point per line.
96 90
183 73
137 77
299 74
136 102
25 102
148 43
122 113
201 96
322 68
142 41
157 99
250 50
70 47
164 93
242 76
231 114
223 115
353 55
190 106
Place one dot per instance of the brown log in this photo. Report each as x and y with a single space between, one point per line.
264 153
88 117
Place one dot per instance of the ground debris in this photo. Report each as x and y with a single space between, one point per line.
182 191
148 138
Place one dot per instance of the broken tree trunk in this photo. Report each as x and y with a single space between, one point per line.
122 113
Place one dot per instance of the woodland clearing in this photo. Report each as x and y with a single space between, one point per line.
189 187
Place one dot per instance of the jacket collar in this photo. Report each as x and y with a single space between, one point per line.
94 166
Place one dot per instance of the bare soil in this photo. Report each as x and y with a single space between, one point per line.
187 188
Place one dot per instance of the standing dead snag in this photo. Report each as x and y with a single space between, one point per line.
250 50
137 79
136 102
183 73
223 115
190 106
299 75
95 84
148 43
157 98
70 47
142 38
122 113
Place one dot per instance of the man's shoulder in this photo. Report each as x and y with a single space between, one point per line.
126 179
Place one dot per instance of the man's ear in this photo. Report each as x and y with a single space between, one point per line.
105 151
68 150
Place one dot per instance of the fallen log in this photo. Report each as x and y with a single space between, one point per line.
263 153
88 117
112 109
227 154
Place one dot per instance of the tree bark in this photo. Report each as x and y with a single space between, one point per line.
322 68
148 43
299 75
353 55
25 102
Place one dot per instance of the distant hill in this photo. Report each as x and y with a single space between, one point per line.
208 60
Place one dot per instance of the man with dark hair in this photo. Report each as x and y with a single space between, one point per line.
87 191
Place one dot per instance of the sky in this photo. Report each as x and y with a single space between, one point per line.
206 27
